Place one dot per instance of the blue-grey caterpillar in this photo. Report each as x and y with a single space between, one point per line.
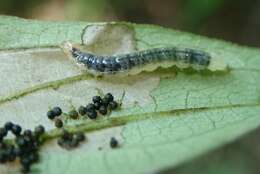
146 60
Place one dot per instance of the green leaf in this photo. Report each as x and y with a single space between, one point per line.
239 157
166 118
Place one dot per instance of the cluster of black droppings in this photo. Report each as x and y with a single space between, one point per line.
7 153
100 105
9 127
54 112
113 142
25 146
69 140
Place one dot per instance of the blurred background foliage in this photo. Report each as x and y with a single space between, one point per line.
236 21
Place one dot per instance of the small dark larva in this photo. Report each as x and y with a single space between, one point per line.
146 60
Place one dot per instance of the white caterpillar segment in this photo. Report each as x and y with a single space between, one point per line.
146 60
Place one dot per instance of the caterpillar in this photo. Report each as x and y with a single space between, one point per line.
145 60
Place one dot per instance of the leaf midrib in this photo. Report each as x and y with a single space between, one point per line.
125 119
